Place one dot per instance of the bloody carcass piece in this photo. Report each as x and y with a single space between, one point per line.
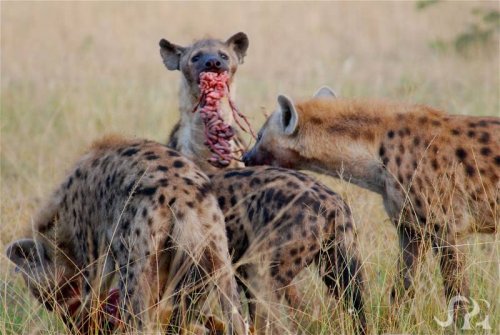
218 134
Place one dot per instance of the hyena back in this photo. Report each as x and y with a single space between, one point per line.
131 211
438 174
243 192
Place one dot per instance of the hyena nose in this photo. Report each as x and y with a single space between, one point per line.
246 158
213 63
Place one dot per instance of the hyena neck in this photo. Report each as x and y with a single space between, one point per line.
188 136
363 172
354 158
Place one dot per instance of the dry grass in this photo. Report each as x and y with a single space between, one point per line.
74 71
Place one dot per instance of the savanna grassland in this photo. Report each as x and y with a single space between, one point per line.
71 72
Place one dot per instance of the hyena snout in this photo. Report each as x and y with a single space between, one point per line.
213 63
255 157
250 159
246 158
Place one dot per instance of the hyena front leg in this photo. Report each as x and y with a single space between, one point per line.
131 263
411 246
242 281
96 281
412 249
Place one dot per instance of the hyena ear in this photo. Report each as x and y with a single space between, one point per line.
239 43
25 254
288 114
171 54
325 92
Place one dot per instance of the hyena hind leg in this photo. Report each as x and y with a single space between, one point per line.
184 300
96 281
216 262
452 261
192 287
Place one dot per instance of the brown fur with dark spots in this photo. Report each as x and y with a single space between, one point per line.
438 182
273 235
282 221
109 221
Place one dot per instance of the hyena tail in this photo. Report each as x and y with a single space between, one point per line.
344 278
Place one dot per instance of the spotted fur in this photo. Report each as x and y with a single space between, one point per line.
278 222
437 173
133 212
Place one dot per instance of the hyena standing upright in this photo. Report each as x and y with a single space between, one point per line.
206 55
136 212
437 173
276 219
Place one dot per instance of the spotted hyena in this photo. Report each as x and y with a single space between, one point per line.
133 212
438 174
277 218
206 55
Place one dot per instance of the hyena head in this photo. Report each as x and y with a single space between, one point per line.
206 55
53 282
280 141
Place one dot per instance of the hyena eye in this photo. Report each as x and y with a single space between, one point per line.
224 56
195 58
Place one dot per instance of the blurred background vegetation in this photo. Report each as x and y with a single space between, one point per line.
478 36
